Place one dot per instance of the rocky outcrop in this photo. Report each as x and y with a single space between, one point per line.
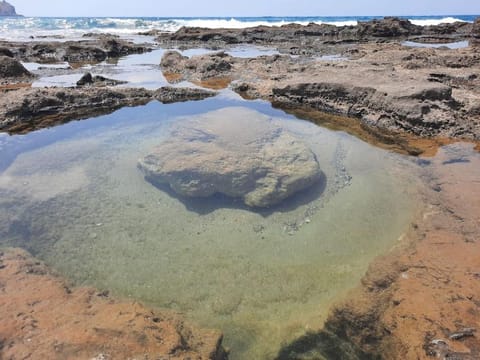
33 108
90 324
199 68
11 68
389 27
95 50
89 80
312 38
7 9
236 152
425 92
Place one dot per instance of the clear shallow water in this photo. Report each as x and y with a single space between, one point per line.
73 196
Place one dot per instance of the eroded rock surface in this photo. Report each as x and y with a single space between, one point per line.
425 92
236 152
11 68
94 50
34 108
43 318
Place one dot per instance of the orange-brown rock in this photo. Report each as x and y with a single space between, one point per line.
422 300
42 318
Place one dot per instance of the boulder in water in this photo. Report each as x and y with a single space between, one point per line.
236 152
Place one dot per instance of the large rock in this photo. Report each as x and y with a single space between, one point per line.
387 27
7 9
11 68
236 152
200 67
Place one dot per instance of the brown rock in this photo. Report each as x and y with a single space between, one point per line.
43 318
235 152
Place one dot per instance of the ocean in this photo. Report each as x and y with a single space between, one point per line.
22 28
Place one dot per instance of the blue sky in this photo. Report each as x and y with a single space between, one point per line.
243 7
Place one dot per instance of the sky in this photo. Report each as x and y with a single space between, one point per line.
194 8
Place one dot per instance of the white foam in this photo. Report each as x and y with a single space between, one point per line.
429 22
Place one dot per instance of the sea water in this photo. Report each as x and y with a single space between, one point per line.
73 28
73 196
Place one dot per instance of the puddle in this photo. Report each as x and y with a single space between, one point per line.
73 196
332 58
139 70
453 45
32 66
243 51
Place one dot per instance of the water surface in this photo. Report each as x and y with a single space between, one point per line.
74 197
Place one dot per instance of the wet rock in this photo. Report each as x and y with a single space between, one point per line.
462 333
201 67
28 109
85 79
235 152
98 80
89 326
169 95
11 68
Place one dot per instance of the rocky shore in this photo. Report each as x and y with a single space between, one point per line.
421 301
418 302
89 50
43 318
315 39
424 92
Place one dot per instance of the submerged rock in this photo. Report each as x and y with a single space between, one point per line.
236 152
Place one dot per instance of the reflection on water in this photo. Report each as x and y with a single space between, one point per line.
453 45
74 197
138 70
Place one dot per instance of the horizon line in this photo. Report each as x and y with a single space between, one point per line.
241 16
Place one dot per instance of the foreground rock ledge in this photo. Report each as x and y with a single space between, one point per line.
236 152
42 318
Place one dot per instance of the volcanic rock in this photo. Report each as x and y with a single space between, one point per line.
98 80
203 66
11 68
236 152
7 9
